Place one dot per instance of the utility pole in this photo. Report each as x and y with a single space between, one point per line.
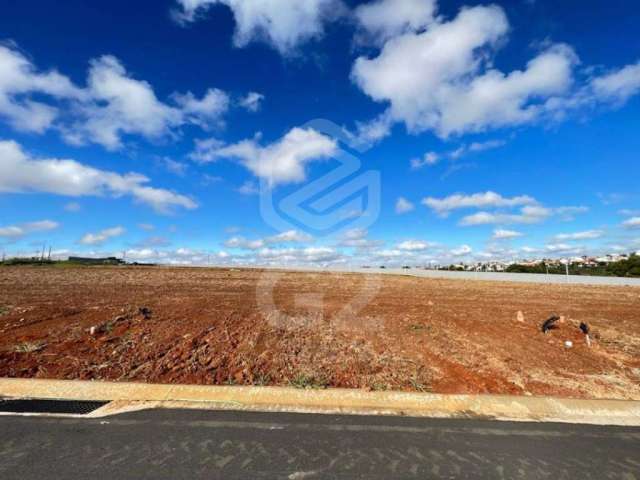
49 256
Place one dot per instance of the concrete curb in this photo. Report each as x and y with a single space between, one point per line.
135 396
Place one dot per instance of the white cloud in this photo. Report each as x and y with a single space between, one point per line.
383 19
461 251
284 24
252 101
18 81
442 78
248 188
146 227
443 206
618 85
587 235
18 231
357 238
528 214
172 166
102 236
562 248
569 213
429 159
439 79
632 223
290 236
243 243
475 147
371 132
403 205
121 105
73 207
205 111
112 104
308 255
627 212
488 145
206 150
20 173
502 234
281 162
414 245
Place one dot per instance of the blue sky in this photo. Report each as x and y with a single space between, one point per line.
167 129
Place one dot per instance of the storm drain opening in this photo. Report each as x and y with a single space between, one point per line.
50 406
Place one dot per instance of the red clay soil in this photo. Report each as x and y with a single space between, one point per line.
229 326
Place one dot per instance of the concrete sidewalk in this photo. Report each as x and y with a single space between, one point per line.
135 396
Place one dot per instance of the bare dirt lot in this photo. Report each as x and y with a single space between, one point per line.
228 326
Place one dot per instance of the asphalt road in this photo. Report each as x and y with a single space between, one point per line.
170 444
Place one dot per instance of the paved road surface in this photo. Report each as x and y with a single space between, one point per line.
171 444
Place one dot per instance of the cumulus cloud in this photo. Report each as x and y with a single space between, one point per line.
280 162
204 111
617 86
358 238
403 206
289 236
587 235
414 245
370 132
121 104
252 101
102 236
112 104
562 248
19 79
21 173
283 24
441 77
243 243
527 214
14 232
383 19
503 234
444 206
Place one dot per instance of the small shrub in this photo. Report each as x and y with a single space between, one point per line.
29 347
309 381
261 380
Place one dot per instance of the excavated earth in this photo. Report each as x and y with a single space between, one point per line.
254 327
